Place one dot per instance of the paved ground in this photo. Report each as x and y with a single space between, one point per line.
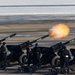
41 71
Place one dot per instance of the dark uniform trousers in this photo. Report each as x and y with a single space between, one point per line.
36 56
64 59
4 55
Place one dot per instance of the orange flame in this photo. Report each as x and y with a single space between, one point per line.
59 31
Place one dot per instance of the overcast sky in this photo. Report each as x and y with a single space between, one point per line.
6 9
35 2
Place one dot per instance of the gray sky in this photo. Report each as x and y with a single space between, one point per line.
35 2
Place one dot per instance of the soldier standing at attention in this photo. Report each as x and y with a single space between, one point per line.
1 54
29 55
36 55
4 52
64 59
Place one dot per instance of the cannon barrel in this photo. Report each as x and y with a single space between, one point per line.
67 42
28 43
8 37
39 39
57 46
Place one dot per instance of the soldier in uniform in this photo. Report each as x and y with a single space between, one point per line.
36 55
29 55
4 52
64 59
1 54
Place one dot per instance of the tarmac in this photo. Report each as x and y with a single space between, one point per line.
41 71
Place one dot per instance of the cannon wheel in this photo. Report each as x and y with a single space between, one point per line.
56 61
23 59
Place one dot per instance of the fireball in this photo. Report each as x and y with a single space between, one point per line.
59 31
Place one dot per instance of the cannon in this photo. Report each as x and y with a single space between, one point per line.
50 53
5 38
17 51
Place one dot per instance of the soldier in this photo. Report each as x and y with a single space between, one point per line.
1 55
36 55
29 55
0 48
64 59
4 52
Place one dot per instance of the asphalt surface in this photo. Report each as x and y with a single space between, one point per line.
32 31
45 70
